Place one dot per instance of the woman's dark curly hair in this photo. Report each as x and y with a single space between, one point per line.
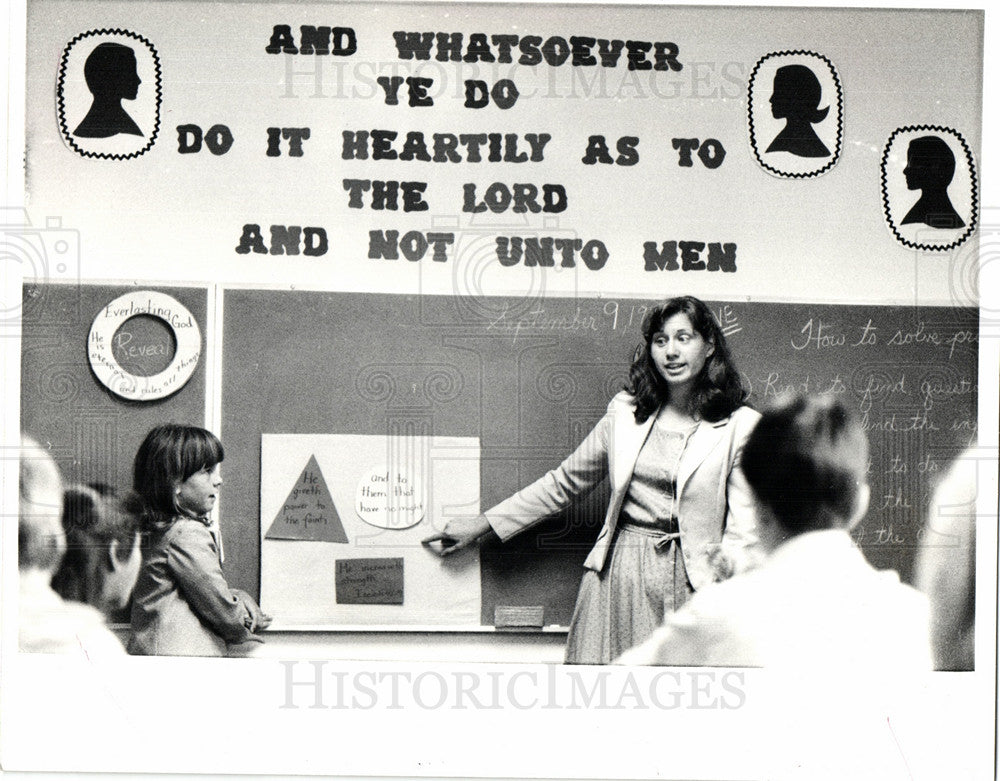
718 389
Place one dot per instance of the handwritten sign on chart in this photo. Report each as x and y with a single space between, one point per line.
369 581
391 498
308 513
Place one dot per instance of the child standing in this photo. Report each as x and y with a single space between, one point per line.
182 605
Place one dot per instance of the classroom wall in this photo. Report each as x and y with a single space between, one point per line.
151 211
737 230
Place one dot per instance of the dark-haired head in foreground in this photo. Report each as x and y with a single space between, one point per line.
806 462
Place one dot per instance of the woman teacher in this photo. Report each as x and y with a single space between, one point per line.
680 514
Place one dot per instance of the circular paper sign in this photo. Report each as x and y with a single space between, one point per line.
390 499
104 331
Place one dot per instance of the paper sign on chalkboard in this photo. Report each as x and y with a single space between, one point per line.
309 512
369 581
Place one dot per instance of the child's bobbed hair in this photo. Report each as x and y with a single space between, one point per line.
168 456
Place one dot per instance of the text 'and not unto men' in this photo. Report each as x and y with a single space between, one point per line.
530 251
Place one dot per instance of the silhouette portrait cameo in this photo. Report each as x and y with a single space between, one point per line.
795 98
111 76
930 166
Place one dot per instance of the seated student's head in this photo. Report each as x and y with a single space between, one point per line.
40 539
102 549
806 462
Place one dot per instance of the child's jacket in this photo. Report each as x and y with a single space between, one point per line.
182 605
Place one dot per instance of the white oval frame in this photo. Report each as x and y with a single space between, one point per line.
152 304
923 238
112 148
797 168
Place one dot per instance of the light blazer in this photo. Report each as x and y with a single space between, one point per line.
714 505
182 605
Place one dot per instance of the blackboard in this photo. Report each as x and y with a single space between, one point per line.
92 433
530 376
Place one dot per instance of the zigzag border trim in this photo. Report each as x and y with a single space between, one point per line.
840 114
883 177
61 106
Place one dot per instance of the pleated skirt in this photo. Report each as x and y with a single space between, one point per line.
642 583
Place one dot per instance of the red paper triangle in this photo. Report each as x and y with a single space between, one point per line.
308 513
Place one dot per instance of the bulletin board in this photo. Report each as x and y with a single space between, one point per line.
463 149
342 518
94 433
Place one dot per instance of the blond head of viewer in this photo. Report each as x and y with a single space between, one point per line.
47 624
